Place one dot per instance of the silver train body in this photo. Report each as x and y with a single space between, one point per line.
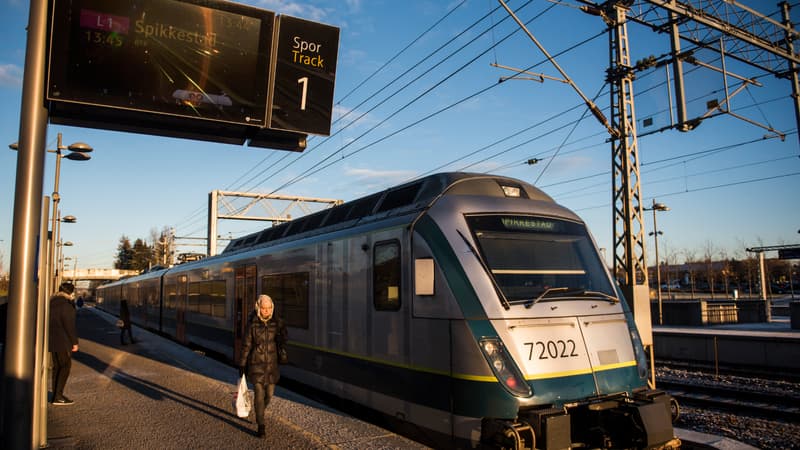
470 306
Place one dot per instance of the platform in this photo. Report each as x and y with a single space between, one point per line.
158 394
772 346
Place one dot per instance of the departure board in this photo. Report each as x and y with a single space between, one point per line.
203 59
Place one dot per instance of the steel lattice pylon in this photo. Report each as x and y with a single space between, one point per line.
215 198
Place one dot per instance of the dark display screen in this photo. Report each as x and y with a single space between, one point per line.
305 75
193 58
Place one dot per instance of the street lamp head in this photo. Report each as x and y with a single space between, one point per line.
657 207
77 156
69 219
67 244
81 147
14 146
659 232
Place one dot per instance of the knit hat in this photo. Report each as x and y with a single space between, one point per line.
69 288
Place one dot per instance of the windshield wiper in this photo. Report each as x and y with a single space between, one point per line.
567 290
587 292
530 302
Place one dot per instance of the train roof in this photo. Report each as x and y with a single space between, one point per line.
402 199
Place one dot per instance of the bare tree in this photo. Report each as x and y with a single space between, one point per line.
725 271
671 260
690 259
163 244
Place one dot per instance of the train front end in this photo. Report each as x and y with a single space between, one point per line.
561 363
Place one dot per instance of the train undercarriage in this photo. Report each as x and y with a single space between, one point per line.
643 421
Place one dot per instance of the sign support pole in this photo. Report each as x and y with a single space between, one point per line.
18 379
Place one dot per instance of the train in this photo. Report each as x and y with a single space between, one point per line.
471 307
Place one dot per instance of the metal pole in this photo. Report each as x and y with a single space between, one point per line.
211 244
24 280
42 368
56 212
58 255
658 266
792 65
763 276
677 68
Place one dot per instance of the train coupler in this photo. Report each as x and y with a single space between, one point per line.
551 426
508 434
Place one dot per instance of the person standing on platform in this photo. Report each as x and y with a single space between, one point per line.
63 339
265 337
125 317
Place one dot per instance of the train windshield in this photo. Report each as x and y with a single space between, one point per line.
538 259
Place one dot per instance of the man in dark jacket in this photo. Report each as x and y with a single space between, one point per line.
127 327
266 335
63 339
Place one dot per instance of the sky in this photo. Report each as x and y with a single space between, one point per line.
417 91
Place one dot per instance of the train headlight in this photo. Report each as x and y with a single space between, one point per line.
504 368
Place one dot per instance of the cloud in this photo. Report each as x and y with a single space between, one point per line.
354 5
10 75
296 9
380 177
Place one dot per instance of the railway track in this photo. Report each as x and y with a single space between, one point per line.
728 370
733 399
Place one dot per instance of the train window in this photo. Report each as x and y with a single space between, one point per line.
315 220
264 236
289 292
170 295
363 207
338 214
386 276
400 197
207 297
530 257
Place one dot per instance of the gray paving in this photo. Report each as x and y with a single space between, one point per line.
157 394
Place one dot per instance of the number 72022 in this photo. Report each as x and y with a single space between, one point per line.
552 349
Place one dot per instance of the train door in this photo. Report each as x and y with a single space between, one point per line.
245 292
180 309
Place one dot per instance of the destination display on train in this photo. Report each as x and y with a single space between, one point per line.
205 59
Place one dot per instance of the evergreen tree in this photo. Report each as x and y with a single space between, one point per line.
142 255
124 257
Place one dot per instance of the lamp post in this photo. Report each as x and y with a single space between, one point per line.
59 250
76 152
74 265
64 262
59 269
657 207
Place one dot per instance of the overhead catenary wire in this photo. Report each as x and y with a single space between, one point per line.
396 92
352 153
312 170
201 210
699 189
647 170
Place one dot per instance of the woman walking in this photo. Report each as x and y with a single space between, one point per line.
266 335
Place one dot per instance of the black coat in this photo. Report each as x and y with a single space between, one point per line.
260 349
62 333
125 315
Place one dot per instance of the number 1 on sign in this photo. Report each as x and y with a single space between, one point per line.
304 82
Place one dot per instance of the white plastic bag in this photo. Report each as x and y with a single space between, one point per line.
242 401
